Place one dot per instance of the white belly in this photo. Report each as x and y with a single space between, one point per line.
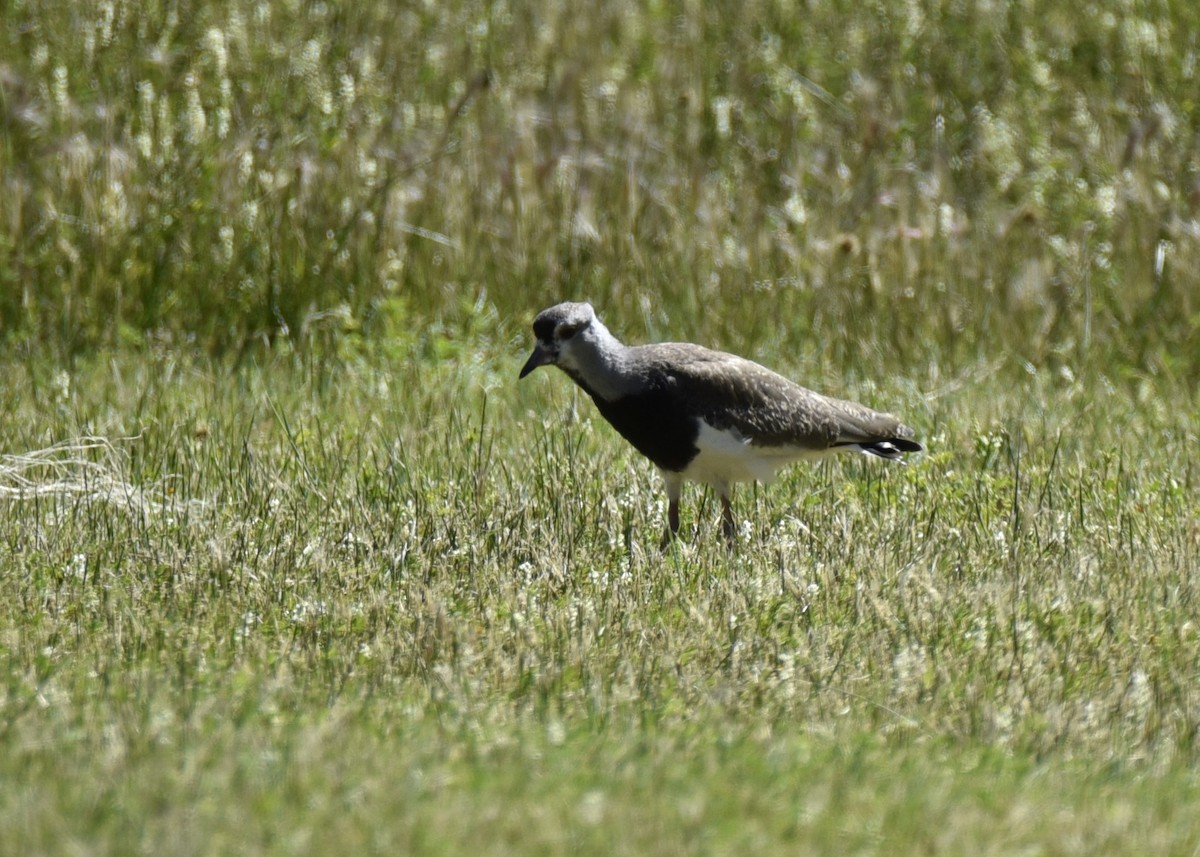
726 456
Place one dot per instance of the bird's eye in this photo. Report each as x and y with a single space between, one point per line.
566 331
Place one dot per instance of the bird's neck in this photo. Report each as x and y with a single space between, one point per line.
599 364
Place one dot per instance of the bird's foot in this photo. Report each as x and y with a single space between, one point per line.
728 525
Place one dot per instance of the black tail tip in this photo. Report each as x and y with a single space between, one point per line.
905 445
891 448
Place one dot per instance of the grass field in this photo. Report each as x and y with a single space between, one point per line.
291 564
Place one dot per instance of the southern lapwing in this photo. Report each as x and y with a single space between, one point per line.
702 415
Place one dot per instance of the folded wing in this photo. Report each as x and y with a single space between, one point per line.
766 408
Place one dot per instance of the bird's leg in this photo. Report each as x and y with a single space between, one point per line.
672 531
728 527
674 490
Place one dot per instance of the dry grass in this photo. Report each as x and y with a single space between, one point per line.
87 469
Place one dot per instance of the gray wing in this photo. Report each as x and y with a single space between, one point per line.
730 392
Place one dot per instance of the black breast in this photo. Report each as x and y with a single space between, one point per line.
658 426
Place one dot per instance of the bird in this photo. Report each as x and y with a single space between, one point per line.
706 416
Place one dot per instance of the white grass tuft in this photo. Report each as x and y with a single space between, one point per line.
91 468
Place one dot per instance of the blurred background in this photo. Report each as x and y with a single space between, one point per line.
943 186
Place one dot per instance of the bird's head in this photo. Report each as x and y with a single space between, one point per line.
560 331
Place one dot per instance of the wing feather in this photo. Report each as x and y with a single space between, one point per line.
731 392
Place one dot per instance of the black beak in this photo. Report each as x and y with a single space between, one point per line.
539 357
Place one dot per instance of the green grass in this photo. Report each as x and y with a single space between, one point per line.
290 562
